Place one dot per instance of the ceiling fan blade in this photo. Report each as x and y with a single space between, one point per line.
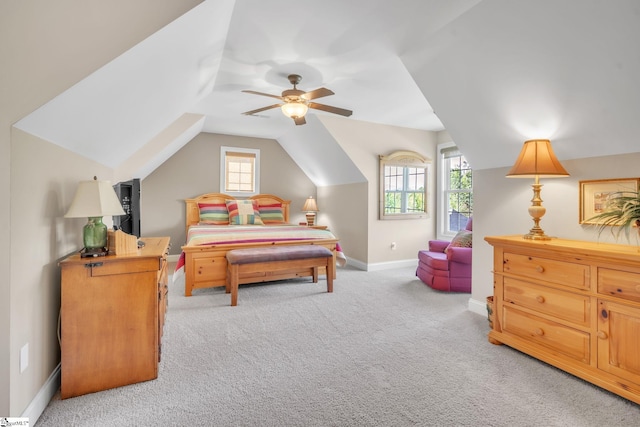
300 120
330 109
318 93
248 113
263 94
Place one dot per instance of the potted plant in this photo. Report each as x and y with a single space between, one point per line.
622 211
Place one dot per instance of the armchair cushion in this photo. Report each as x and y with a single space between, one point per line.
464 239
438 245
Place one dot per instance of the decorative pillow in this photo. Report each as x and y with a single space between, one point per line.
242 212
463 239
271 214
214 213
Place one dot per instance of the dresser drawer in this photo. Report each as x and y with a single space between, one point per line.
619 283
556 337
553 302
563 273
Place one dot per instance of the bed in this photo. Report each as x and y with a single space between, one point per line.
217 223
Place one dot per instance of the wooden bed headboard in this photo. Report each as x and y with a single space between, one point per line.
193 212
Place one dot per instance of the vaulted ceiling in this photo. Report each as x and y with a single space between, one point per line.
496 72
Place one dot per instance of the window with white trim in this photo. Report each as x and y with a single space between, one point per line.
239 171
455 190
403 185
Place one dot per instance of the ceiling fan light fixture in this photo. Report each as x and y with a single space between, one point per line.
294 109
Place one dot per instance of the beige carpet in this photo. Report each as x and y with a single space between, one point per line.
382 350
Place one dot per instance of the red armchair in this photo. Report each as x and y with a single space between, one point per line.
446 266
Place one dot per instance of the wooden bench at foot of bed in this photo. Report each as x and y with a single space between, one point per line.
255 265
206 266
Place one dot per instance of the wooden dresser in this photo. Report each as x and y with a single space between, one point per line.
572 304
112 315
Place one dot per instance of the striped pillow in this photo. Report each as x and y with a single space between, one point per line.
214 213
243 212
271 214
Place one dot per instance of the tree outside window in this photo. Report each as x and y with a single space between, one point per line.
456 188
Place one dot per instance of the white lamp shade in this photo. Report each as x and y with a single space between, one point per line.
94 199
295 109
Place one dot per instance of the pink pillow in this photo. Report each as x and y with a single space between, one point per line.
464 239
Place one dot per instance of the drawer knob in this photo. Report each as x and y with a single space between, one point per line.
602 335
539 332
540 269
540 299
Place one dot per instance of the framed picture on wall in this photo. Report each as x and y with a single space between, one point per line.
595 195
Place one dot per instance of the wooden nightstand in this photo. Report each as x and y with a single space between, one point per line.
112 316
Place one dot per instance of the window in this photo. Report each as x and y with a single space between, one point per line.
455 190
239 171
403 185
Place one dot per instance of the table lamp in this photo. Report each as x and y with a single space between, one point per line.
310 207
94 199
537 159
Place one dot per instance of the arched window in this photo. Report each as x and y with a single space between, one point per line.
403 185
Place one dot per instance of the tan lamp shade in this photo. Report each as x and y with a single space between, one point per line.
310 207
94 199
537 158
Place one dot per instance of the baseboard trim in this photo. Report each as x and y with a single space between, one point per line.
382 265
44 396
478 307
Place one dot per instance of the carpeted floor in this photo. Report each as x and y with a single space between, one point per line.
382 350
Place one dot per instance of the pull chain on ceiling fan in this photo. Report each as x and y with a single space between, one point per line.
296 102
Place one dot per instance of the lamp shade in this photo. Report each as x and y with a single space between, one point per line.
537 159
310 205
294 109
94 199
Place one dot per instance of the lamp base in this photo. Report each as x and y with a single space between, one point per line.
537 211
93 252
310 219
94 234
537 236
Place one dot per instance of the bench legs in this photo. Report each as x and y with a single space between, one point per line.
233 279
232 283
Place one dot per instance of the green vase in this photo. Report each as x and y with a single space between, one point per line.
94 233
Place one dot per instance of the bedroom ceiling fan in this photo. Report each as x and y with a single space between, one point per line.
296 102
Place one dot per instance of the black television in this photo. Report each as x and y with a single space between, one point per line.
129 195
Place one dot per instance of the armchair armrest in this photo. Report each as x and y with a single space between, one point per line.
461 255
438 245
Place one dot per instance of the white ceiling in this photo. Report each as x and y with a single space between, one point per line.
496 71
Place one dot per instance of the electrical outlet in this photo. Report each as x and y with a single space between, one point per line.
24 357
393 246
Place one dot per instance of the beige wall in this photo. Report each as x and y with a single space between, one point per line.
195 170
44 178
364 142
46 47
344 209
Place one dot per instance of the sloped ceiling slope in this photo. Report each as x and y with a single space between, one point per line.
199 64
508 71
118 109
496 72
319 155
